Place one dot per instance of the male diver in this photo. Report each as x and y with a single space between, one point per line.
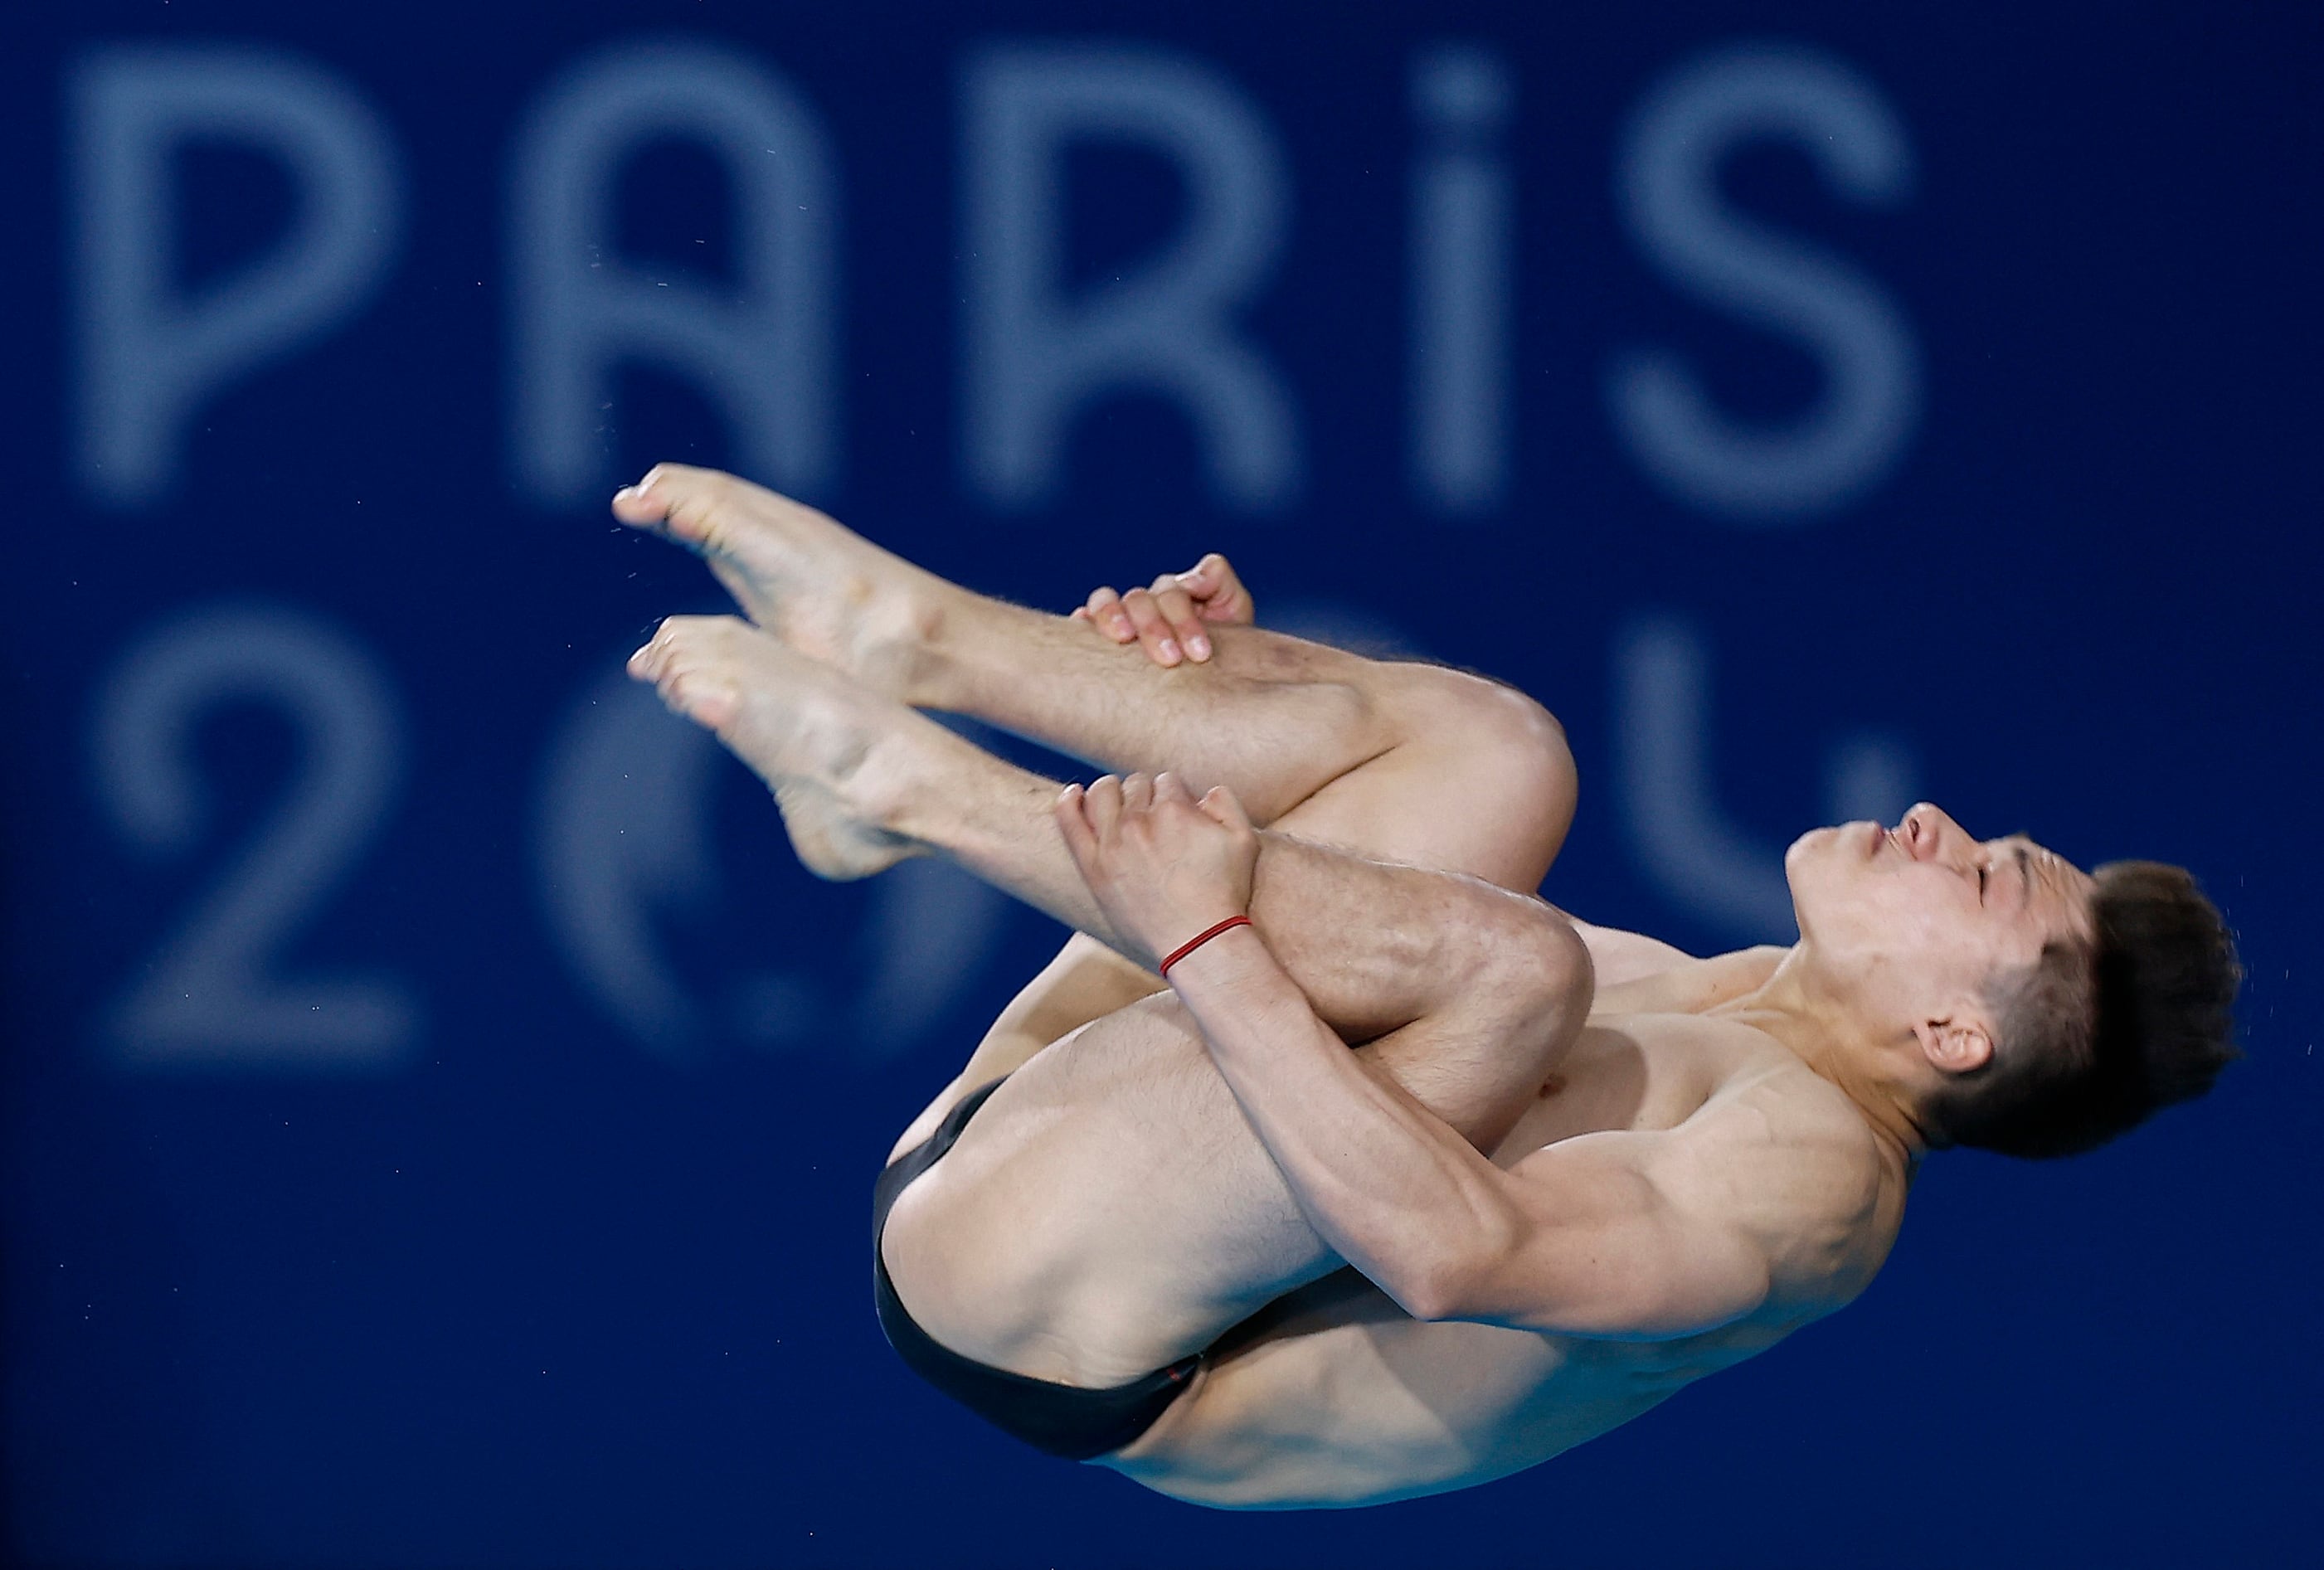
1572 1169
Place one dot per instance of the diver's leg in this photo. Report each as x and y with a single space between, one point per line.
863 782
1403 762
1086 981
1110 1209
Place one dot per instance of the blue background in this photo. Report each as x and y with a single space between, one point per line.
554 1284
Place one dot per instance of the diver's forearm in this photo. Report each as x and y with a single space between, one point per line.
1391 1188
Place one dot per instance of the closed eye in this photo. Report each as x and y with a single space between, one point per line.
1980 885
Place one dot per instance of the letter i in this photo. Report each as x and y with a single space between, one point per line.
1462 208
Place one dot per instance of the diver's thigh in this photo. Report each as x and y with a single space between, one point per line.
1107 1211
1085 982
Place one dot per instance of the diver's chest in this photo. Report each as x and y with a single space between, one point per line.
1628 1075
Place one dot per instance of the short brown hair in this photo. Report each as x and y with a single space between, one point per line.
2102 1032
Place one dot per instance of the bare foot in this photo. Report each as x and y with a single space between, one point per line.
821 587
836 756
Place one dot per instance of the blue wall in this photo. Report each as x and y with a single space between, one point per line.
439 1116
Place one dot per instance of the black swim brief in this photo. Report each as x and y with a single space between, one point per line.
1062 1420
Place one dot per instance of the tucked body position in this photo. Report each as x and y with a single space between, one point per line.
1401 1179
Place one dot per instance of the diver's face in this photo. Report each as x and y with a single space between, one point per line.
1907 917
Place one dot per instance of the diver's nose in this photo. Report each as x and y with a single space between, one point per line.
1923 830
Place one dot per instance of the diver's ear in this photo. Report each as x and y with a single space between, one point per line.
1958 1043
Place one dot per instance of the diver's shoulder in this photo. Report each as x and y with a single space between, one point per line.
1760 1092
1825 1191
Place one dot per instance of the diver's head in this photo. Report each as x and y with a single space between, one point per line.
2025 1006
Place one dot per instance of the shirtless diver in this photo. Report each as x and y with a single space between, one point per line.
1572 1169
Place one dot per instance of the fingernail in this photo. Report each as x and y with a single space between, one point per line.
1168 649
1199 647
626 491
1122 628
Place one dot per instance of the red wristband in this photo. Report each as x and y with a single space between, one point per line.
1183 949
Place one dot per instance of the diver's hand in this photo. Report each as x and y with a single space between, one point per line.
1169 618
1163 865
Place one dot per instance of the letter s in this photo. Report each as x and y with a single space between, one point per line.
1666 183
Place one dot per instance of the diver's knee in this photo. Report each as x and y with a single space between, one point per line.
1533 972
1510 752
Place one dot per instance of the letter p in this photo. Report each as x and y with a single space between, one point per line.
149 355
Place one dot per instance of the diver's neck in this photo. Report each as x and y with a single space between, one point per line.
1803 1017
